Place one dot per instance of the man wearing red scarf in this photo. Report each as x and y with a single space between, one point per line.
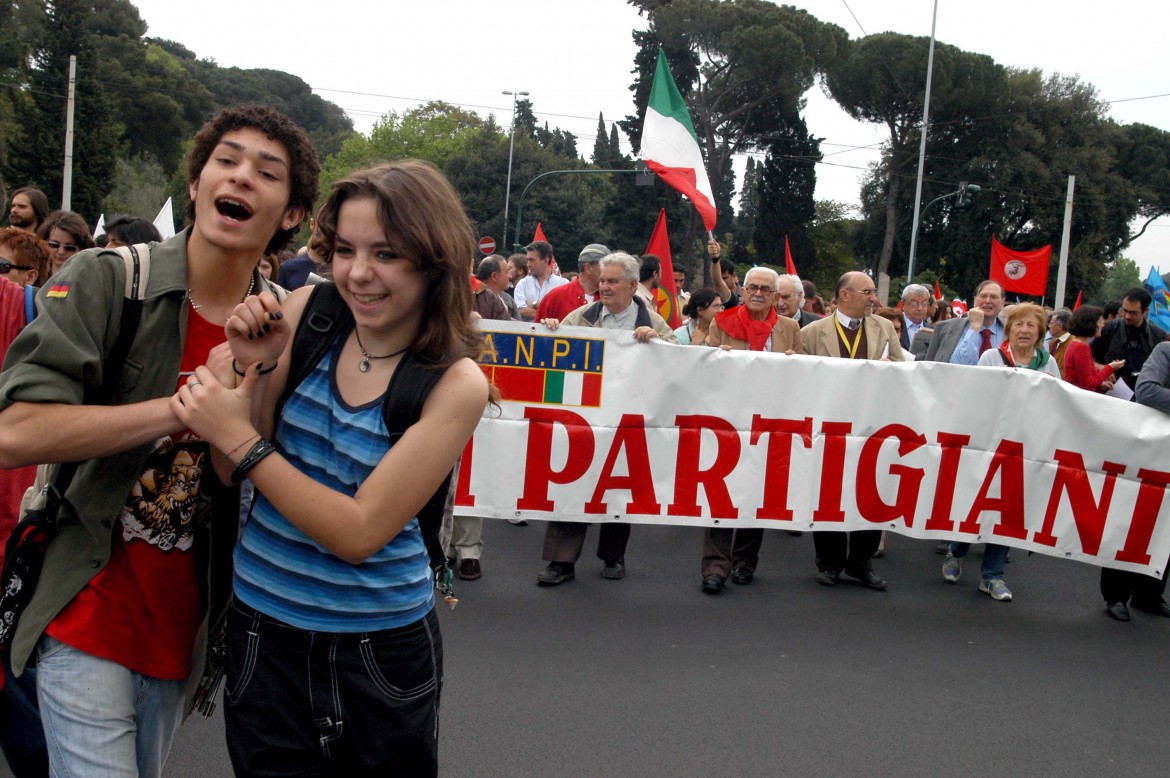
753 326
851 333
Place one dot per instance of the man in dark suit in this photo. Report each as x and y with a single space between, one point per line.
915 303
790 301
1131 336
961 341
851 333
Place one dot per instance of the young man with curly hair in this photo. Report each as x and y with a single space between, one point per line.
137 569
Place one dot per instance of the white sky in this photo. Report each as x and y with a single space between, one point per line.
575 58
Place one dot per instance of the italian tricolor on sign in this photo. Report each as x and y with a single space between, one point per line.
669 145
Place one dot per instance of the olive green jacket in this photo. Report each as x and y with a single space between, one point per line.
57 359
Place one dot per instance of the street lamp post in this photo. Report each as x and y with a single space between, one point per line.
511 148
963 192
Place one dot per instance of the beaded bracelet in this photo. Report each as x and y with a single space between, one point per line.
259 450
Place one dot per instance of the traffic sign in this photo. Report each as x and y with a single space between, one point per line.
487 245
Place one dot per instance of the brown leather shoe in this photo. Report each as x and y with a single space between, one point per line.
469 569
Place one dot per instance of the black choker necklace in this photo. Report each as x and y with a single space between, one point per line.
364 365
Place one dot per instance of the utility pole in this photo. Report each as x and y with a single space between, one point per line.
67 178
1062 272
511 148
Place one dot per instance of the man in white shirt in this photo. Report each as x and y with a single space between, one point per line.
539 281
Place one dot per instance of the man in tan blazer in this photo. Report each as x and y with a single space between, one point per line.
851 333
752 326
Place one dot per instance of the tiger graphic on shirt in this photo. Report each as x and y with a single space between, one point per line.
165 505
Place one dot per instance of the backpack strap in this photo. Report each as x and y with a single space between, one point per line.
409 388
324 316
137 259
30 305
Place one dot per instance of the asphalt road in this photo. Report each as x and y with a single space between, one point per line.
649 677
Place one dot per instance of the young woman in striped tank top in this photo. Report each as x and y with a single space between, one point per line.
334 661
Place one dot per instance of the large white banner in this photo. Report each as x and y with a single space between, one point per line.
596 427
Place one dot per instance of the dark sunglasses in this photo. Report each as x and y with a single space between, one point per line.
54 245
5 266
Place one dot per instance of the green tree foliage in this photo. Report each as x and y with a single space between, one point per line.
1122 275
787 208
20 24
880 80
140 188
742 65
1047 129
138 99
473 153
40 156
1144 160
833 232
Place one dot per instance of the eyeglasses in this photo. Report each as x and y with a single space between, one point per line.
717 304
6 266
753 288
69 247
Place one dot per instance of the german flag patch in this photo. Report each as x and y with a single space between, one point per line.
59 291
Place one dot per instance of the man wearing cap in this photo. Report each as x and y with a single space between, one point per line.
563 300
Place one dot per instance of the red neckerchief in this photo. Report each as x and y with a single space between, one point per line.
739 324
475 283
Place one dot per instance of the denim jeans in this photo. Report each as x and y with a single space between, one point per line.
994 557
101 718
301 703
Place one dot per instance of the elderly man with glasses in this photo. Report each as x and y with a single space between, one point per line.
851 333
752 326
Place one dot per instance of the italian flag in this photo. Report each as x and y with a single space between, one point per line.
669 145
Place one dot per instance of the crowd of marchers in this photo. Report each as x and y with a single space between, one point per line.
1111 349
136 579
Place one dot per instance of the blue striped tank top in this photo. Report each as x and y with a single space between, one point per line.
284 574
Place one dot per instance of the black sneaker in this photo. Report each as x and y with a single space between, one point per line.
555 573
615 569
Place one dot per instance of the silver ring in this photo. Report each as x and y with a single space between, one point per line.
193 382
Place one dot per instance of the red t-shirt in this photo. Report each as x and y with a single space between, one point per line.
560 302
143 610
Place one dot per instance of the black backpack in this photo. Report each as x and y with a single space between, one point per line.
325 317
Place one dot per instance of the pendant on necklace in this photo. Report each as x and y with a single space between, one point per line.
364 365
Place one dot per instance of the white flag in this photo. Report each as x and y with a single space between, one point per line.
165 221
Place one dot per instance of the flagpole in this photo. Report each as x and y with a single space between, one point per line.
1062 270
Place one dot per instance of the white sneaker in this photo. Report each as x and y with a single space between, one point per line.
997 589
952 568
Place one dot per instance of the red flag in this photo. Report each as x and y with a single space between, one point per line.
788 263
959 307
659 246
937 293
1077 304
1023 272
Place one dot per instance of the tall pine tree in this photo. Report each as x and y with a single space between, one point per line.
40 159
786 206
